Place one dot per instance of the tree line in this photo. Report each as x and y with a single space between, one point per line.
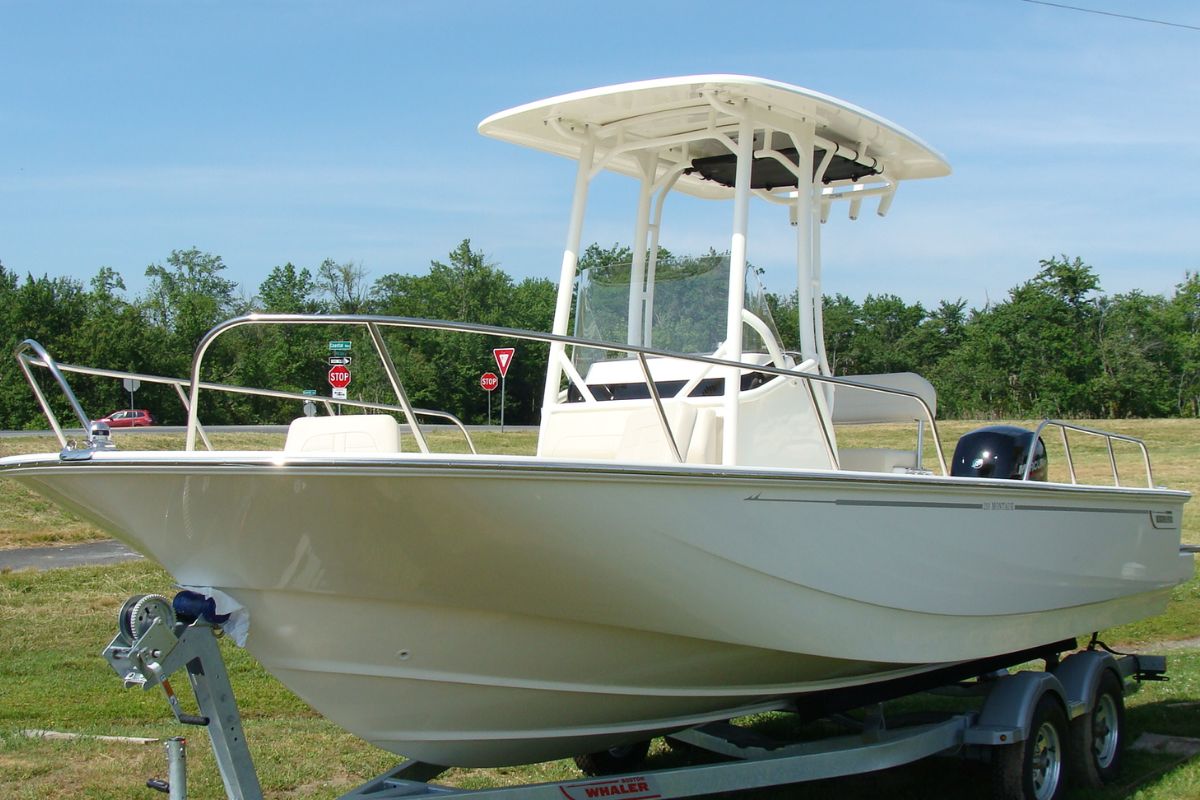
1055 346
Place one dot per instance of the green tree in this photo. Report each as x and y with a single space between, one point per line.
938 335
885 325
113 333
443 369
840 315
287 290
186 297
47 310
291 357
1036 353
346 286
1182 360
1133 341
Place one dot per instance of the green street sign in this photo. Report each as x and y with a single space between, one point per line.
339 346
310 392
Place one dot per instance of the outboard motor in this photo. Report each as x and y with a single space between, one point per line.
999 451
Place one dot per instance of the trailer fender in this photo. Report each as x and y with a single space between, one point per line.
1008 710
1080 674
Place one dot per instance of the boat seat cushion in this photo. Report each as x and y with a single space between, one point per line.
349 433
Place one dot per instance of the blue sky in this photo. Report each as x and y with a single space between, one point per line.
268 132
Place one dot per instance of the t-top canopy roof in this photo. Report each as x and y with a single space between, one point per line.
666 113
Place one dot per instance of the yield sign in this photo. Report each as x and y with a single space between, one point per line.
504 357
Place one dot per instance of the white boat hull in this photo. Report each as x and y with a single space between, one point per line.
485 611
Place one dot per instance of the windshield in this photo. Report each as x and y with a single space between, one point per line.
688 301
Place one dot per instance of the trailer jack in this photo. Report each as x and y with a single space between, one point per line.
152 643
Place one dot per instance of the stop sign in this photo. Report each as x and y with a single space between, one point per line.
339 377
488 381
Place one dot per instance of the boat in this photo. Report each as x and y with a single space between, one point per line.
690 542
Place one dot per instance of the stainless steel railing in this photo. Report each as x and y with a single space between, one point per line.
29 354
22 353
1108 436
41 358
375 324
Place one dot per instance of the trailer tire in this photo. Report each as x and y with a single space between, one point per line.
1034 769
622 758
1098 737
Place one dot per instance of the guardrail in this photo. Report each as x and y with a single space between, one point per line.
1108 437
375 325
41 358
29 353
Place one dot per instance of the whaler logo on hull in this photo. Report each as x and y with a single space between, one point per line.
632 788
1163 519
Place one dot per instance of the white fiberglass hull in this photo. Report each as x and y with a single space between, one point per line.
482 611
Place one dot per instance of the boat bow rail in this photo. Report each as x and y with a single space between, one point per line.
376 324
30 354
1108 436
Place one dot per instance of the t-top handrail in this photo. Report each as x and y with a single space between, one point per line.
1108 436
368 320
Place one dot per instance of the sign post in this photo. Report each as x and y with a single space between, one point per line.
131 385
339 379
504 357
339 373
310 406
488 382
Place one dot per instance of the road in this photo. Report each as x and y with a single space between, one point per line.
73 555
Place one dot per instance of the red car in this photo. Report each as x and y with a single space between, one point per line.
129 418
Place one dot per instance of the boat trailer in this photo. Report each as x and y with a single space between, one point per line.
1033 726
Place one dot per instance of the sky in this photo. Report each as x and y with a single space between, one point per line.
275 132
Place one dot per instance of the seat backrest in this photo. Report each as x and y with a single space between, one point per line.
620 431
876 459
349 433
855 406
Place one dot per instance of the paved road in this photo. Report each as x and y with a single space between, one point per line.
73 555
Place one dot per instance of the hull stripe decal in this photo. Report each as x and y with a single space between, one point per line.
1088 510
888 503
917 504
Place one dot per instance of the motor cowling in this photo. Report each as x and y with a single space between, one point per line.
999 451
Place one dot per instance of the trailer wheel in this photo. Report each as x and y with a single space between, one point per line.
622 758
1098 737
1033 769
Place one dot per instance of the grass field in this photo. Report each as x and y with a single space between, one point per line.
54 624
